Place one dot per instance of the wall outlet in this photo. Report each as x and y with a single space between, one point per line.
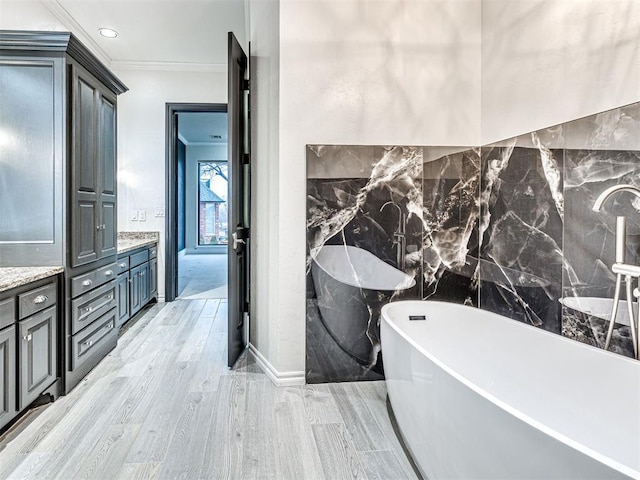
159 211
133 216
142 215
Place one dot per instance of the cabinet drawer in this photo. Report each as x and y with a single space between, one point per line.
123 265
91 338
7 312
86 308
138 258
37 300
153 252
83 283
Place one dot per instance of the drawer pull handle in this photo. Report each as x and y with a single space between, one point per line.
142 274
88 343
27 338
87 283
108 273
40 299
122 265
109 297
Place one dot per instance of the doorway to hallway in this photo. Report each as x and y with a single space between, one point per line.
197 189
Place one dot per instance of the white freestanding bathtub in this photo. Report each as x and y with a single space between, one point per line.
480 396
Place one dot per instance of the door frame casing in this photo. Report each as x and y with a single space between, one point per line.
171 188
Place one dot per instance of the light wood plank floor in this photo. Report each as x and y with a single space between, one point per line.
163 405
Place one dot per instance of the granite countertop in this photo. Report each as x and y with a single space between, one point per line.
12 277
128 241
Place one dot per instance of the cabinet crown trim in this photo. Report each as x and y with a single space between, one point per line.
60 42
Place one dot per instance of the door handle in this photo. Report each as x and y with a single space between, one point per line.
237 240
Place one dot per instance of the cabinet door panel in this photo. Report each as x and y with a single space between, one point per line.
123 298
144 284
107 164
7 375
84 132
85 202
108 146
134 293
108 229
153 278
37 354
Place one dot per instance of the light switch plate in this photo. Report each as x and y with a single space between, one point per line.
142 215
133 216
159 211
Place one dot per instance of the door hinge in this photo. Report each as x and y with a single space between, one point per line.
246 84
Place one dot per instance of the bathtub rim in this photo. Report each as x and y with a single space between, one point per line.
602 458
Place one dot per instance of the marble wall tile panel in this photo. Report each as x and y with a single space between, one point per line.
521 230
369 198
450 213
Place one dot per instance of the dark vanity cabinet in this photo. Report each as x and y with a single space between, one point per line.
60 103
28 345
137 281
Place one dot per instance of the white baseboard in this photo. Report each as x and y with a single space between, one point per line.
279 379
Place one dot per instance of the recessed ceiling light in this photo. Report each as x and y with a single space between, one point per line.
107 32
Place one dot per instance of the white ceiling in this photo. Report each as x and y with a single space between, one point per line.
198 128
186 35
155 31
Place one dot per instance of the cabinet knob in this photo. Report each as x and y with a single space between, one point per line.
108 273
40 299
122 265
109 297
142 274
27 338
87 283
88 343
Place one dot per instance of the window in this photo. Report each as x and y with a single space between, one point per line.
212 203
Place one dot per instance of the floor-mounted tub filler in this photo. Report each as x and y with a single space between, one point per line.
477 395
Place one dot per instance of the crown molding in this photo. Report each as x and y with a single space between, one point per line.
74 27
169 66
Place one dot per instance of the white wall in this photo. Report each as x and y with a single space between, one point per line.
547 62
141 140
264 27
196 153
358 72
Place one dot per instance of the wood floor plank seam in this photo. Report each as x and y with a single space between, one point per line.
164 404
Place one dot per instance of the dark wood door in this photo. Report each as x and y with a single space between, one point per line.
239 186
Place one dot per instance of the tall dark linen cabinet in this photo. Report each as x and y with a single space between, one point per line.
62 102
